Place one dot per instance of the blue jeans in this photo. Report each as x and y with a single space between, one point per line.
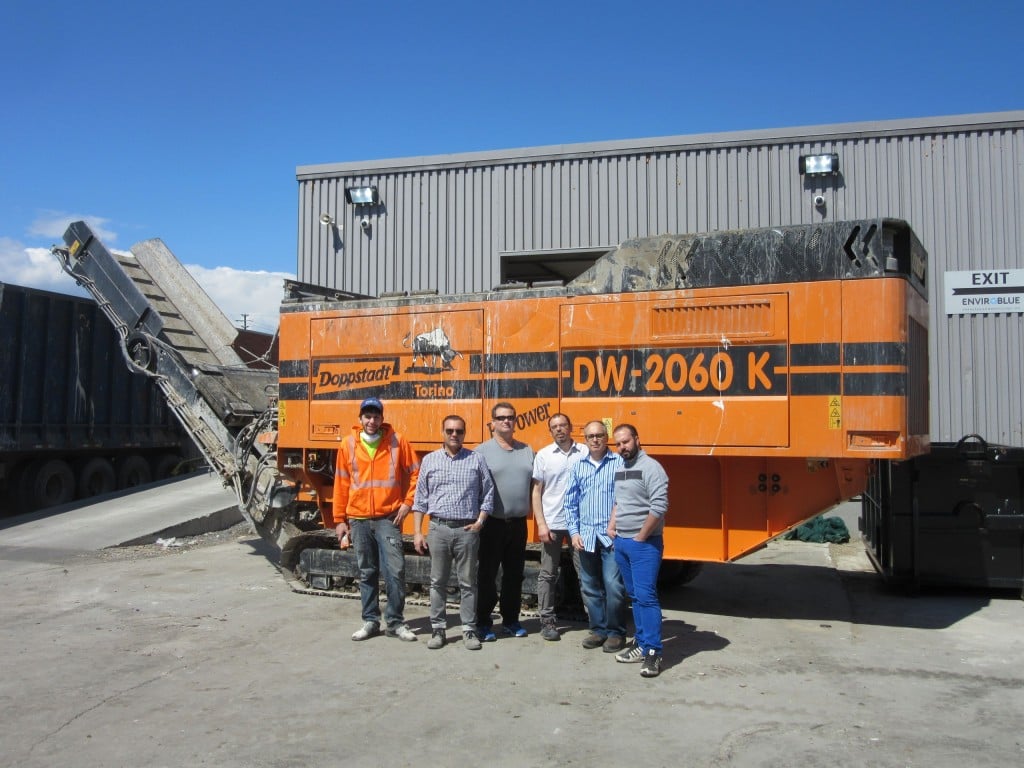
639 563
378 546
450 546
603 592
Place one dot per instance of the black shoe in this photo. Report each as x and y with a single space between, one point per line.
614 644
651 666
593 640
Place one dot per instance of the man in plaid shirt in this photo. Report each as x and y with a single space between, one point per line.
456 492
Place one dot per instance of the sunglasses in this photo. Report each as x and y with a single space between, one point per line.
504 418
455 431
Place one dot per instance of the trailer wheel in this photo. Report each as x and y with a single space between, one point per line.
15 494
165 464
95 477
13 503
48 483
676 573
132 471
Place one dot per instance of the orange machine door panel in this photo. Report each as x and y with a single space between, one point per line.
707 371
418 363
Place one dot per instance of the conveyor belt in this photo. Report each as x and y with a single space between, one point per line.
174 331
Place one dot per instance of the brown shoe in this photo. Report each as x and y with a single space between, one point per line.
614 644
593 640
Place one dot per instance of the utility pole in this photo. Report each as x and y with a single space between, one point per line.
245 321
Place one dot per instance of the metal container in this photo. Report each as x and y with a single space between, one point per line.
952 517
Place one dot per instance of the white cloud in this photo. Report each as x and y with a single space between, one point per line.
36 267
33 267
53 224
257 295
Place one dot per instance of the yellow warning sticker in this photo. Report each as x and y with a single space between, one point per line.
281 414
835 412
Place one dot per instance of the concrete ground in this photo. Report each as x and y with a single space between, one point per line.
200 654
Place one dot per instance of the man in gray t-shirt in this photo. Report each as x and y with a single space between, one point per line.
503 538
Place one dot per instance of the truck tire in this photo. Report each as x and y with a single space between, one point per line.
164 465
676 573
132 470
95 477
10 487
48 483
14 500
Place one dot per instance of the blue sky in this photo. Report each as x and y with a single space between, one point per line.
186 120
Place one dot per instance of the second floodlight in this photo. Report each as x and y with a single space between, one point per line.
362 195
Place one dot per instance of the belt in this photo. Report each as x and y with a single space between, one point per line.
453 523
390 517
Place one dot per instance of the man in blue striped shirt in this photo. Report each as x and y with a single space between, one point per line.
589 498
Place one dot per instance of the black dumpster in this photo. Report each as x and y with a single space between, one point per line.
953 517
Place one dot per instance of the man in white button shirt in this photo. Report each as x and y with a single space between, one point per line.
550 475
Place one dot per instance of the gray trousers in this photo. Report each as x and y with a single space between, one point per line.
547 577
458 547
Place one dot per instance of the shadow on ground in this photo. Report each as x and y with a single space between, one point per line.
784 591
821 594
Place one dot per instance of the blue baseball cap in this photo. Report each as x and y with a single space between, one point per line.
371 404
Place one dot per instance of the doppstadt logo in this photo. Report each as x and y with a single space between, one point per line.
339 375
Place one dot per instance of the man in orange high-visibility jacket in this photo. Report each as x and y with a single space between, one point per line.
374 485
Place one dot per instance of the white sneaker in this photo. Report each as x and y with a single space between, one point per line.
368 630
631 654
402 632
437 640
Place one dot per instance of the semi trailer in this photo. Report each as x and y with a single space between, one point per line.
75 421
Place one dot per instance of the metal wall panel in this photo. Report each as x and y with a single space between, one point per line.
446 222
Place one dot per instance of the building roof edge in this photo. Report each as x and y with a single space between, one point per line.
800 134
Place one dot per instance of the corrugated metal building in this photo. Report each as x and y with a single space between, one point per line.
469 222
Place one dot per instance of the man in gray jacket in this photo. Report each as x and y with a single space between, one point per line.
637 522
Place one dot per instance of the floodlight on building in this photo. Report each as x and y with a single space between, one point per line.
819 165
362 195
